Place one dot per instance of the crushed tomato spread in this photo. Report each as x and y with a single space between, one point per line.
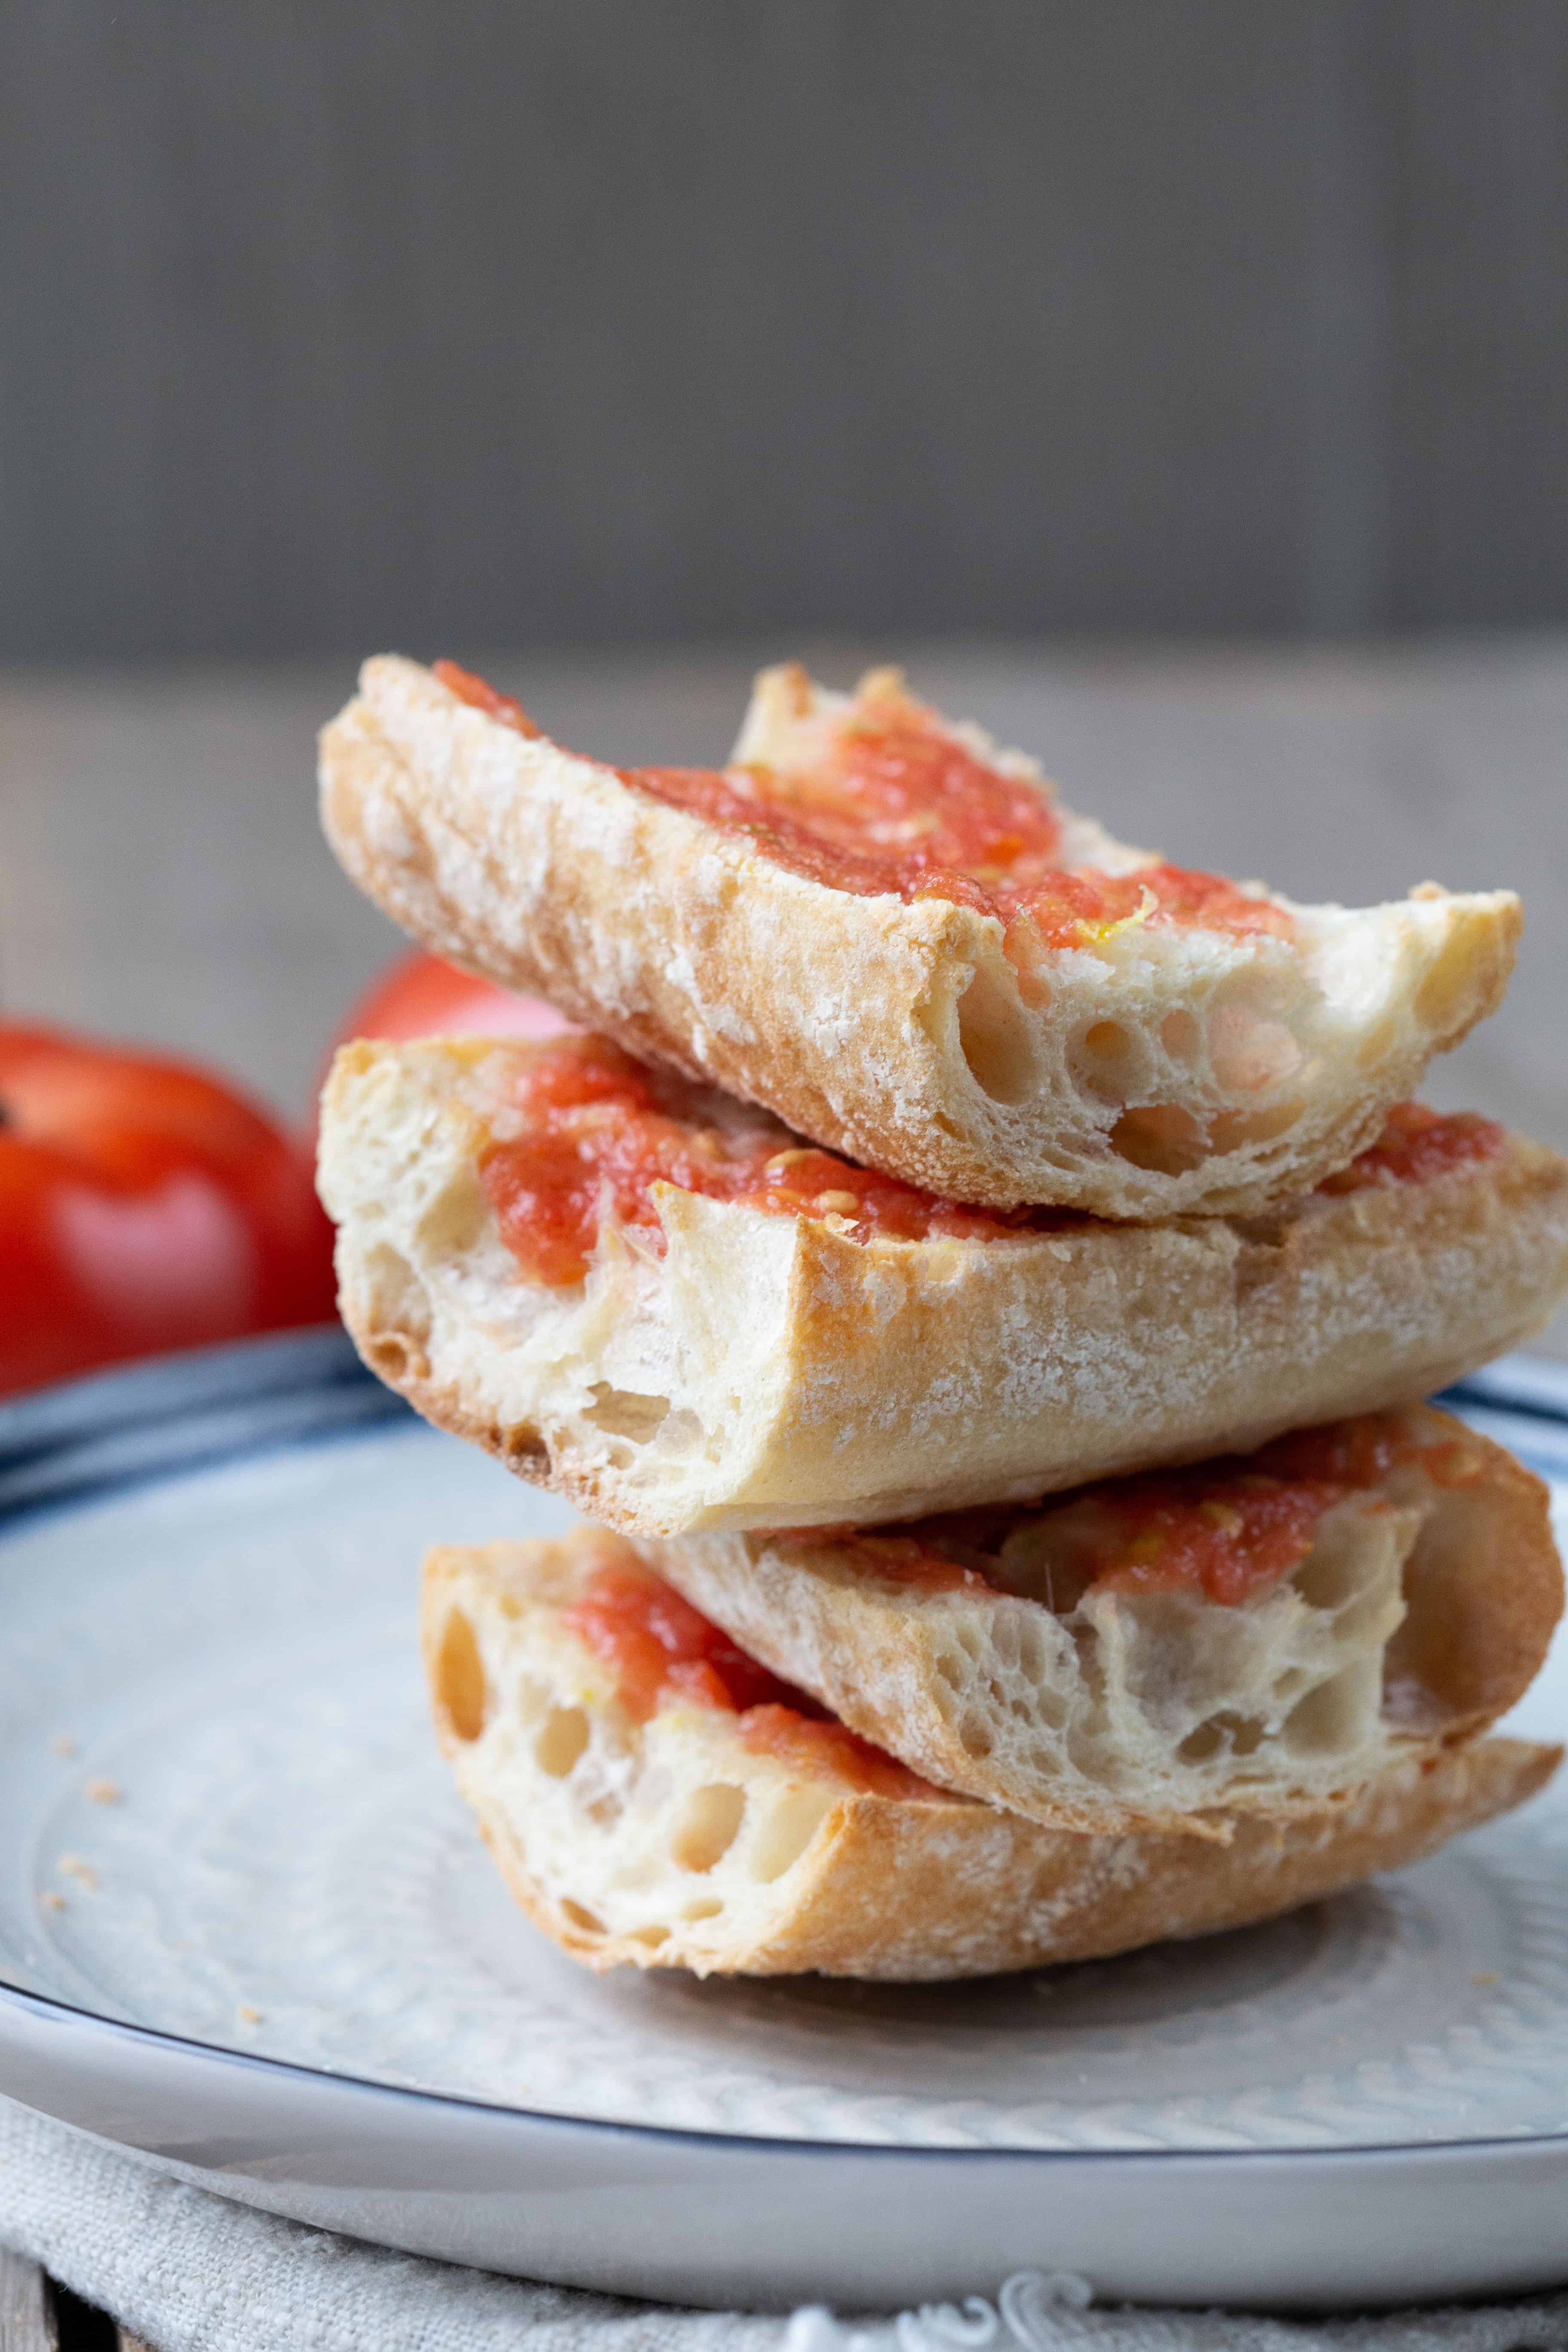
661 1650
1225 1529
601 1130
1417 1144
901 806
590 1132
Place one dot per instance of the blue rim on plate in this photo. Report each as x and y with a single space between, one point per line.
181 1411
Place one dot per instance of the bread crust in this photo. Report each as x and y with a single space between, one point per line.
834 1381
929 1675
895 1031
909 1890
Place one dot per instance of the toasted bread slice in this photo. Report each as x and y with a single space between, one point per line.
727 1367
1207 1048
1387 1578
680 1839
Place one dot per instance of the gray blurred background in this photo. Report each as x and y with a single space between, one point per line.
1182 389
580 322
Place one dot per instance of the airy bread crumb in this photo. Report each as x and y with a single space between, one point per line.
1423 1609
768 1370
1146 1073
671 1844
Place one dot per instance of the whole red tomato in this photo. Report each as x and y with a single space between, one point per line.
143 1206
421 996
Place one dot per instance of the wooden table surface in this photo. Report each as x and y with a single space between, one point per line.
38 2315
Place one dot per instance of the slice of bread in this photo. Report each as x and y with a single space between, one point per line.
1147 1068
1423 1608
675 1842
772 1369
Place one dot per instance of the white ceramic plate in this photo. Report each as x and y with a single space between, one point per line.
248 1931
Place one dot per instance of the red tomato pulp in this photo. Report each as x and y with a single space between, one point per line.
661 1652
599 1131
899 803
1225 1528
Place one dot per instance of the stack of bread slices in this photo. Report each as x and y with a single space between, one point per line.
979 1281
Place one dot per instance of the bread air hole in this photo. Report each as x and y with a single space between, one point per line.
1451 1656
581 1916
708 1909
787 1831
622 1412
1160 1137
1329 1717
1107 1041
650 1937
524 1451
1329 1575
1242 1735
1111 1061
461 1678
1363 1621
994 1040
454 1219
392 1360
1232 1130
708 1825
398 1307
1201 1746
1031 1649
1181 1036
1249 1053
561 1739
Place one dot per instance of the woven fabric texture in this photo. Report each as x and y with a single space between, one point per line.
189 2272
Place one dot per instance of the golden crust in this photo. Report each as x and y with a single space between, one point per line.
888 1898
897 1032
904 1890
1484 1590
930 1674
868 1381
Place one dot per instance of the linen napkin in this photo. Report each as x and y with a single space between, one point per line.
190 2271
